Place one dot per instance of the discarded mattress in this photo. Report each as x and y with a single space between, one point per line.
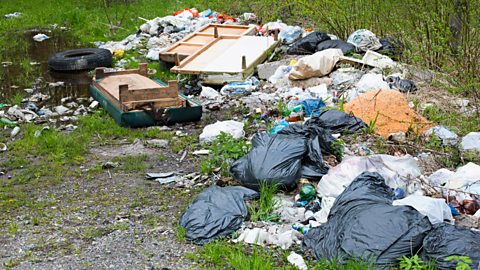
389 110
363 224
446 240
216 212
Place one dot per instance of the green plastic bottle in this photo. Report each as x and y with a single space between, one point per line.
307 192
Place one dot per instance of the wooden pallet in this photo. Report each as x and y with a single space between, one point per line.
197 40
133 90
227 58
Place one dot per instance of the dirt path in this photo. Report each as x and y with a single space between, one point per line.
102 222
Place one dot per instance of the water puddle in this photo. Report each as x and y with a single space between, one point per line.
25 66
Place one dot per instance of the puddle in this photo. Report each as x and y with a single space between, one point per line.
29 64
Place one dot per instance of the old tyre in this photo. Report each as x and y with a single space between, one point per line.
80 59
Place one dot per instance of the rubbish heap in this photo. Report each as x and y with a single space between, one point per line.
361 205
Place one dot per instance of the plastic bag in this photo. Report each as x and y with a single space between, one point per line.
346 47
276 159
447 136
337 121
397 172
435 209
216 212
290 33
446 240
280 159
370 82
308 44
312 107
401 85
210 132
364 40
240 88
471 141
364 225
316 65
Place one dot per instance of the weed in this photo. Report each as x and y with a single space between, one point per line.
162 157
263 208
224 150
412 263
337 148
92 232
370 129
181 233
132 163
222 255
13 228
16 99
463 262
186 142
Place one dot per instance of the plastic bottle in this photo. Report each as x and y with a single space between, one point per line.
299 228
292 103
307 192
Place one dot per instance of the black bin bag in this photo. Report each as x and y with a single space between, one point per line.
308 44
337 121
346 47
363 224
217 211
276 159
448 240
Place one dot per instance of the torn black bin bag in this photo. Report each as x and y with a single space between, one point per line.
448 240
337 121
308 44
279 159
363 224
217 211
347 48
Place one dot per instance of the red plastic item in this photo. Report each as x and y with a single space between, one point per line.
194 12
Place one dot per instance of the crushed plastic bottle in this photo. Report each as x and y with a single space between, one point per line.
299 228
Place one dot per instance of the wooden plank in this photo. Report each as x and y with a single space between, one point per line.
100 72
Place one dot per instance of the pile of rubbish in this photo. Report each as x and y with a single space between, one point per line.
368 206
160 33
336 201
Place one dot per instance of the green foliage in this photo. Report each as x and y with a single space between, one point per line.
412 263
463 262
263 208
16 99
181 233
370 129
338 148
222 255
224 150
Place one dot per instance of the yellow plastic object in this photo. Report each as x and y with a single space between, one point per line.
293 62
118 54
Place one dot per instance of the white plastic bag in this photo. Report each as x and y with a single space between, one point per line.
210 132
315 65
365 40
435 209
397 171
471 141
371 81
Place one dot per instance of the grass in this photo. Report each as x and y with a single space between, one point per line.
264 208
224 150
132 163
458 122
